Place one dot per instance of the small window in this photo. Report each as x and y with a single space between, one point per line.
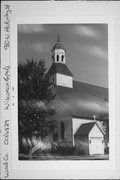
62 58
62 131
57 57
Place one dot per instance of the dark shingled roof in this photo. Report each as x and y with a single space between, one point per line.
82 101
59 68
85 129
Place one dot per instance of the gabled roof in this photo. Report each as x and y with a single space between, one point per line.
59 68
85 129
82 101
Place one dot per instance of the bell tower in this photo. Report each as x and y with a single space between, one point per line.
59 72
58 52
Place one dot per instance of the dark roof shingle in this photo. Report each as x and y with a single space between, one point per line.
83 100
85 129
59 68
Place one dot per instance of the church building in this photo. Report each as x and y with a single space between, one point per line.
78 106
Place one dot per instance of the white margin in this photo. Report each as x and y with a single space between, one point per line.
69 14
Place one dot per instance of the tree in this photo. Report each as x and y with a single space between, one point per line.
33 82
104 118
35 92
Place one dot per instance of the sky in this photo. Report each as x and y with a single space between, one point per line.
86 48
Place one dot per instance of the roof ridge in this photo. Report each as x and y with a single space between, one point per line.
83 82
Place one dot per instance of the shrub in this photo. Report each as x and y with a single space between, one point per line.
79 152
62 150
106 150
81 148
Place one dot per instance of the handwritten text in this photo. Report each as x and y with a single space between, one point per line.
5 163
7 26
6 78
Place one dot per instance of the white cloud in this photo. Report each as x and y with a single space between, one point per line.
97 51
87 49
86 31
94 106
30 28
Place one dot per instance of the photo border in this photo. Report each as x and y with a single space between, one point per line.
61 169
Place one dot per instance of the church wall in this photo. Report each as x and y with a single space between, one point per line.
63 80
69 133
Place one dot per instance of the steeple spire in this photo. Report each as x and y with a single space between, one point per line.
58 38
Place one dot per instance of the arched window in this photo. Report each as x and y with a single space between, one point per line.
57 57
62 131
62 58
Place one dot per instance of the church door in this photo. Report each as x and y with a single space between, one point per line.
96 146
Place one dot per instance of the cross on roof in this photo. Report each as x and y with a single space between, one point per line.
94 116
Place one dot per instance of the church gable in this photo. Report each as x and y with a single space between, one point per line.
63 80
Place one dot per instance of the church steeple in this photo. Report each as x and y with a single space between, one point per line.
59 72
58 52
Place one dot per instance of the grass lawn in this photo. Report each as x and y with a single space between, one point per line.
58 157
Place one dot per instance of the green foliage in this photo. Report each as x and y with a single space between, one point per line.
106 150
34 95
33 121
33 82
104 118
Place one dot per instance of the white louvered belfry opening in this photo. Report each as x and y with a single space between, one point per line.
59 56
